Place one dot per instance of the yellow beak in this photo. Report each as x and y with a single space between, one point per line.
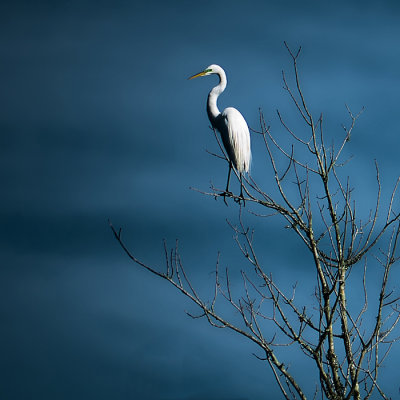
198 75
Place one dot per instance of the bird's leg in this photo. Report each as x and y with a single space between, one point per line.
229 177
227 184
241 189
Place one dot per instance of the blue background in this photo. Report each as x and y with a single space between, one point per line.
98 121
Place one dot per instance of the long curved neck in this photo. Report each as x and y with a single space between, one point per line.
212 108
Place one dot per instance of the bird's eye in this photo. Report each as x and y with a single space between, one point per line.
208 70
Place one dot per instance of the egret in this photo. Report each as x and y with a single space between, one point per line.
230 124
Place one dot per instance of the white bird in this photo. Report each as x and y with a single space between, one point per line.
230 124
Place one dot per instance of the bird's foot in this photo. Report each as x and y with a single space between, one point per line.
239 200
226 193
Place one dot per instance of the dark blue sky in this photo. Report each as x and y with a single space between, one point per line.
98 121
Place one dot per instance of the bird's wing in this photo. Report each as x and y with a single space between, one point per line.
237 138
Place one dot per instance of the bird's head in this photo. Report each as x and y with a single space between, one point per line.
211 69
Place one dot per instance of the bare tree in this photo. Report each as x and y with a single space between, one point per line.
347 340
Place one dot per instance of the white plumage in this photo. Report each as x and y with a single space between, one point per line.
238 138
